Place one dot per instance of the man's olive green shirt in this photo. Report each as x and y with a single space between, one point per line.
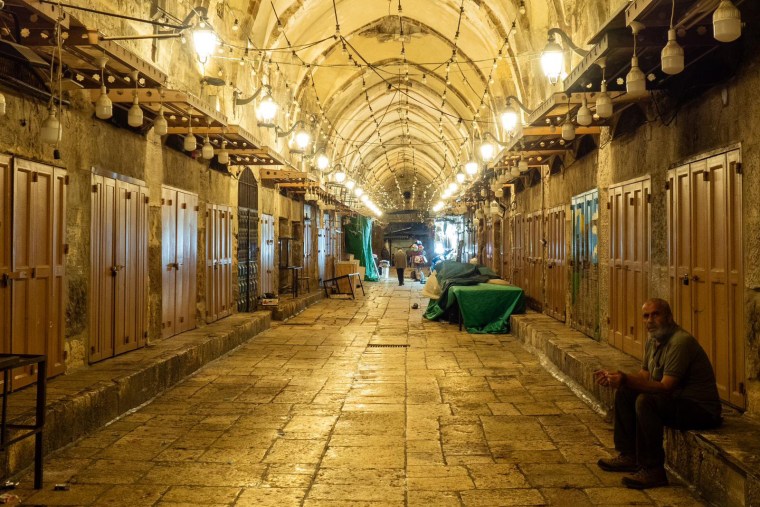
681 356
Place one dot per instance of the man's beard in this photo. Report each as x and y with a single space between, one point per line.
661 333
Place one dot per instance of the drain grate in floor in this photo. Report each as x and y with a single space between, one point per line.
387 346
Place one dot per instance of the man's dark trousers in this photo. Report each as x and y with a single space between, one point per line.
400 273
640 419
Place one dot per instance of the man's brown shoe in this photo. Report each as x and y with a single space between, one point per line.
620 463
647 478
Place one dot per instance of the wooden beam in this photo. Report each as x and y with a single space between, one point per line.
283 174
47 11
185 101
557 131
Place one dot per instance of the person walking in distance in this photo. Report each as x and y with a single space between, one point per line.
675 387
399 260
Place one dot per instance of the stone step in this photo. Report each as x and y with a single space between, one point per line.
89 398
723 464
288 307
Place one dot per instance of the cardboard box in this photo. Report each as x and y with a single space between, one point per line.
270 301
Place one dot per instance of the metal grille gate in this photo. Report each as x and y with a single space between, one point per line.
248 242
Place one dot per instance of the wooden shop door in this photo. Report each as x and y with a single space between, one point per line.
629 263
555 263
32 230
119 264
218 262
267 254
584 264
179 247
517 252
308 247
706 266
534 259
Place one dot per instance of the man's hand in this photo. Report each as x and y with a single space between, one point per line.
613 379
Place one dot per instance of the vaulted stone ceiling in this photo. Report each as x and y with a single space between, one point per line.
399 87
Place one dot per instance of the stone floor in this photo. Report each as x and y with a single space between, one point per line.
313 412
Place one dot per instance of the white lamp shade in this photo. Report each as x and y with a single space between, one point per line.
522 166
509 119
552 61
635 81
584 117
323 162
223 156
160 126
460 178
515 171
672 55
499 193
475 221
494 208
135 115
2 104
604 103
207 151
103 106
727 22
471 168
205 42
487 151
267 110
568 130
190 143
302 140
50 133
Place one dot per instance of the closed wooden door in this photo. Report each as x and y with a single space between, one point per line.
518 261
119 249
267 254
308 247
555 263
506 250
584 264
218 262
706 272
179 260
629 263
321 253
534 259
33 204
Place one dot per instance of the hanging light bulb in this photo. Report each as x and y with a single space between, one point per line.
568 129
727 22
358 192
160 126
460 177
339 176
266 111
604 102
207 152
135 115
471 168
350 184
103 106
487 151
453 187
510 118
672 55
635 81
190 143
50 133
322 162
223 156
552 60
205 41
522 166
584 116
521 9
302 139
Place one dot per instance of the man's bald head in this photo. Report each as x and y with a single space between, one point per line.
658 318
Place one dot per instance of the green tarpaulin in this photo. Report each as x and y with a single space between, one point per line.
485 308
358 234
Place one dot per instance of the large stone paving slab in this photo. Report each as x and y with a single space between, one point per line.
354 403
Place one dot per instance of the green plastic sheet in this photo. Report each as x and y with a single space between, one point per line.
358 234
485 308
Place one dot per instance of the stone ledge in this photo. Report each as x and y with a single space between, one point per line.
88 399
723 464
290 307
